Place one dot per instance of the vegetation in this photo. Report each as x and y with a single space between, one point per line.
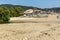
8 10
15 12
4 15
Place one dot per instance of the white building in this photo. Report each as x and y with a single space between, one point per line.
34 13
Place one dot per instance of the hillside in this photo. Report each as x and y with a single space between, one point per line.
24 7
55 9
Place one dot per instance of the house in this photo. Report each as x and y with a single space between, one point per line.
43 14
35 13
28 12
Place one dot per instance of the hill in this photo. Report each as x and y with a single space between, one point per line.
55 9
24 7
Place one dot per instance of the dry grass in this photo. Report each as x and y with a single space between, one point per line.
41 29
30 31
50 18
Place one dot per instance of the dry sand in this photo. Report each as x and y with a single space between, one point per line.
30 31
43 29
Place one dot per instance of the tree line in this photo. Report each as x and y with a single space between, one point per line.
6 13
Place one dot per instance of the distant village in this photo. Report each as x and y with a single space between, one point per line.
39 13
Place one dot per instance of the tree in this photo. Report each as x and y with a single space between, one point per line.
13 13
19 10
16 11
4 15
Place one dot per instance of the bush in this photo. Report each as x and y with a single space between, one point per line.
4 15
16 12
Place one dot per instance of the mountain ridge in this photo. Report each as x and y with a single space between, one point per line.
55 9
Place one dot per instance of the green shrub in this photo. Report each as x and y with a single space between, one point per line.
16 12
4 15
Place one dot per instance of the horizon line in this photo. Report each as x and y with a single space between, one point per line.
29 6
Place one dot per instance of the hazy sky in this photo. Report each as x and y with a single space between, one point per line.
36 3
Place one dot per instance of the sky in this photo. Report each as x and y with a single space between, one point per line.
35 3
